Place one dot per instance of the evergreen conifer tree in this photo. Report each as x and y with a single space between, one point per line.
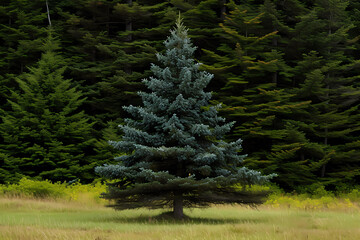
45 135
331 85
253 70
21 33
175 155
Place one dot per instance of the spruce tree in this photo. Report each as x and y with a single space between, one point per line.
45 135
174 152
253 70
326 76
128 54
21 32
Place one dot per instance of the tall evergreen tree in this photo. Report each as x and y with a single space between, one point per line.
174 152
326 77
21 32
253 71
132 51
114 42
45 135
109 44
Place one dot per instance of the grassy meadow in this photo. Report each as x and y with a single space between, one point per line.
80 214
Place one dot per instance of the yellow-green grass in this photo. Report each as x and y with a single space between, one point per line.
29 219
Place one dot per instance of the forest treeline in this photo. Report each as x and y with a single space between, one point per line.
287 71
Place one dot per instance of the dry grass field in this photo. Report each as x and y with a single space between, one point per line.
30 219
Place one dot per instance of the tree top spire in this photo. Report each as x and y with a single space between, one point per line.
180 29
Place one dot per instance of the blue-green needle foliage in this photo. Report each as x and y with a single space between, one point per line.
174 143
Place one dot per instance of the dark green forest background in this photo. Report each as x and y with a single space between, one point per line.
287 71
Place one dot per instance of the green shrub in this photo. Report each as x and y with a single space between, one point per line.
316 190
311 198
315 197
354 195
303 203
46 190
272 188
35 189
85 193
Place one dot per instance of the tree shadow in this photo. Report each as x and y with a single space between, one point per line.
167 218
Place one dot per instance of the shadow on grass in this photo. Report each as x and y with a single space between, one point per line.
167 218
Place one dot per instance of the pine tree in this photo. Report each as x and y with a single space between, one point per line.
110 44
21 32
240 47
131 52
174 155
335 96
22 29
254 71
330 122
45 135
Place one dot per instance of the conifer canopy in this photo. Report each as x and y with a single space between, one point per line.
45 134
174 152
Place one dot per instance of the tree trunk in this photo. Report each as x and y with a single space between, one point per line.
48 12
128 24
108 20
275 74
223 10
128 38
326 130
178 206
323 169
128 28
275 78
178 197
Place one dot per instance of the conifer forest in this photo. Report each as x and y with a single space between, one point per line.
281 79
